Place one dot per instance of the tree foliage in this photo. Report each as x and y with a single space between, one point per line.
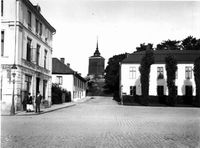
57 93
169 45
190 43
144 47
171 68
112 73
145 67
197 80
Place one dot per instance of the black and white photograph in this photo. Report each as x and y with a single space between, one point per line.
100 74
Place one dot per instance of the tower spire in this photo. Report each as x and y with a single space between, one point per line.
97 48
97 53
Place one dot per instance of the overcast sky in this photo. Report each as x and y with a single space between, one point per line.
121 26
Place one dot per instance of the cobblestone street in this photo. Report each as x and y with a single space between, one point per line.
100 123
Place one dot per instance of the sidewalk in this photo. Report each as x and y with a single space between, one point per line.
52 108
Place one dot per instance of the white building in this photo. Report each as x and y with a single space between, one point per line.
68 79
185 84
26 40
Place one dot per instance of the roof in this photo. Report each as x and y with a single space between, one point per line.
182 56
60 68
33 8
97 54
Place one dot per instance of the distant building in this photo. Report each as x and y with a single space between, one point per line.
185 84
68 79
96 64
26 41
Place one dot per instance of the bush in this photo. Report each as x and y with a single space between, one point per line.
57 93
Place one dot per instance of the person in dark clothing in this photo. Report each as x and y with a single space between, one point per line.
37 102
24 102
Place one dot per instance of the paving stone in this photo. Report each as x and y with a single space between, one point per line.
101 123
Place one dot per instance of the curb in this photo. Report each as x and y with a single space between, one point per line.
46 111
22 113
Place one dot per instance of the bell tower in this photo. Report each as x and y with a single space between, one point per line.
96 63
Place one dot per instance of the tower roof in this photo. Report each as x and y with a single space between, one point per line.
97 53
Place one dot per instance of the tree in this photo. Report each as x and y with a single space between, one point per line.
190 43
169 45
171 68
145 67
144 47
57 94
112 73
197 80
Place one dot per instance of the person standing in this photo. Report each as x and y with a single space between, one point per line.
37 102
24 102
29 103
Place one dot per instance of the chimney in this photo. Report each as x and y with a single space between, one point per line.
62 60
68 64
37 7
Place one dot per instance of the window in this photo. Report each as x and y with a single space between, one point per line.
36 26
40 29
28 52
45 58
2 43
60 80
132 73
188 72
160 73
1 7
28 83
37 54
46 34
29 19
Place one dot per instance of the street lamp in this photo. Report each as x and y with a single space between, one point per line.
12 111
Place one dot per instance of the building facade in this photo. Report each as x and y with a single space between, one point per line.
26 41
185 84
96 64
68 79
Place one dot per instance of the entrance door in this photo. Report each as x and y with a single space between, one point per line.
44 88
160 90
188 90
188 95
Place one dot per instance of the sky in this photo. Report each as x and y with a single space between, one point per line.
120 26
